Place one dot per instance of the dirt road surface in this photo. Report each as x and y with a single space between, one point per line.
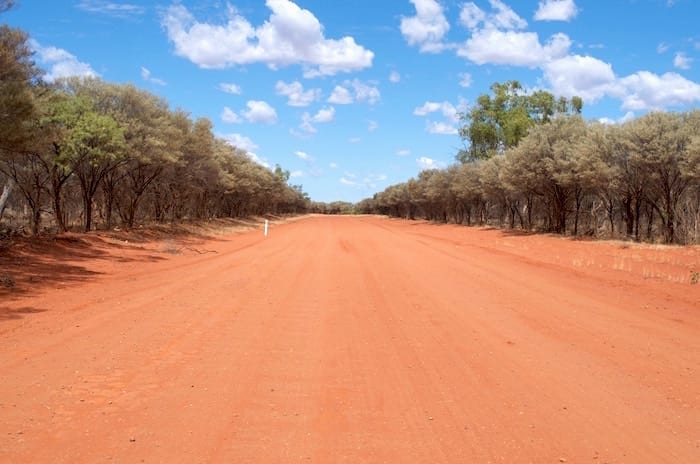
358 340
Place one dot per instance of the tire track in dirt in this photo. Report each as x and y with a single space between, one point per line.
353 340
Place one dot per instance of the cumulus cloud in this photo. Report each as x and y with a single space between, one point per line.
497 37
495 46
229 116
354 91
241 142
584 76
627 117
682 61
146 75
446 108
260 112
324 115
340 96
441 128
394 77
296 174
295 93
230 88
648 91
290 36
428 163
60 63
556 10
450 114
403 152
246 144
372 126
427 28
593 79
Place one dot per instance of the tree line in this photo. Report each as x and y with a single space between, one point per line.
81 151
542 167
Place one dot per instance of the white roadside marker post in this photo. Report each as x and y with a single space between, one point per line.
266 226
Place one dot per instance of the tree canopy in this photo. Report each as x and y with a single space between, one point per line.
500 120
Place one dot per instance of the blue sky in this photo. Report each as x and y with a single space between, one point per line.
353 96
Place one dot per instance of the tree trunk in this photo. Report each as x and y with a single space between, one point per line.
6 190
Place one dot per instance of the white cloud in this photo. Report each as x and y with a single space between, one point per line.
365 92
296 96
307 124
303 156
446 108
230 88
682 61
259 160
556 10
244 143
240 141
441 128
403 152
593 79
355 90
494 46
368 182
497 38
627 117
583 76
465 80
296 174
60 63
504 17
229 116
340 96
146 75
119 10
345 181
291 35
471 15
428 163
325 115
260 112
662 48
372 126
648 91
355 140
427 28
333 165
450 113
394 77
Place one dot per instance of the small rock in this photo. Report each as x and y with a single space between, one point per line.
132 439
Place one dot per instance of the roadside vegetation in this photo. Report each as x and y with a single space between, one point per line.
86 154
532 163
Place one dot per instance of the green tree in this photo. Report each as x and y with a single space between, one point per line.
501 120
18 78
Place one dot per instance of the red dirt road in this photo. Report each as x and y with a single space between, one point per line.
358 340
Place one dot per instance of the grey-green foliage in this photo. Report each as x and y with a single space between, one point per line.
638 180
94 148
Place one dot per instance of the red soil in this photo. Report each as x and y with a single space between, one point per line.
350 339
